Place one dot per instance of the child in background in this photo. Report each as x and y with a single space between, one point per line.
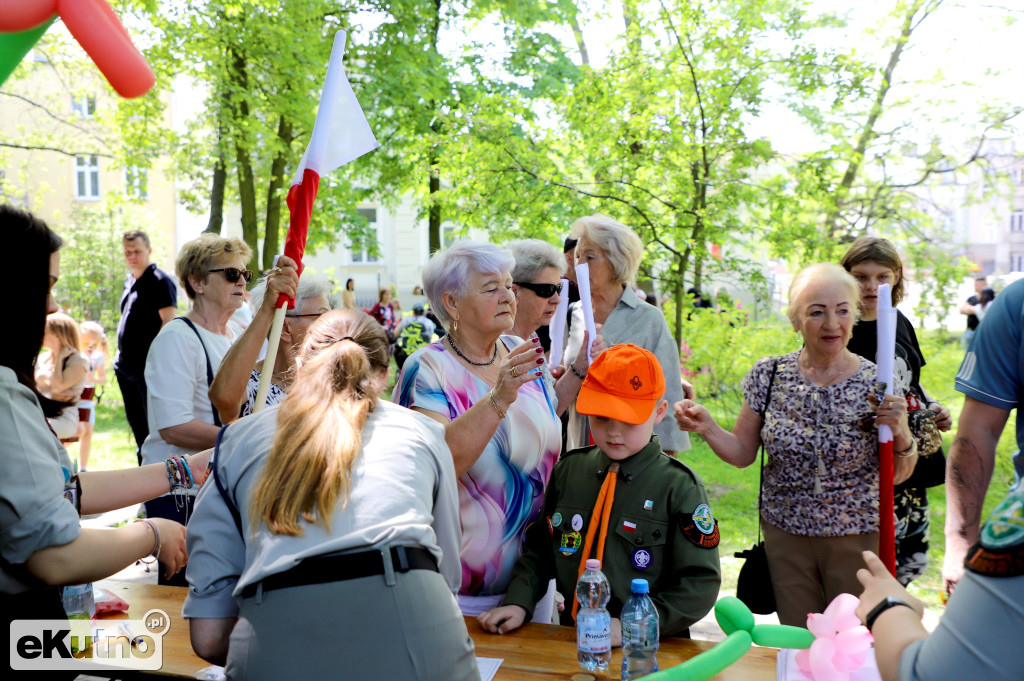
657 524
61 372
94 348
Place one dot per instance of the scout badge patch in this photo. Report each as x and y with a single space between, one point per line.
700 527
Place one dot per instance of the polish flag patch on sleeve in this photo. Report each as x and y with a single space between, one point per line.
628 526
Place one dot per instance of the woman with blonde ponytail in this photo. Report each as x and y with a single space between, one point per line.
333 526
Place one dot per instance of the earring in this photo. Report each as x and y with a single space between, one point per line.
455 326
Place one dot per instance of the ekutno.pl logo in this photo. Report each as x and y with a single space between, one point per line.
81 645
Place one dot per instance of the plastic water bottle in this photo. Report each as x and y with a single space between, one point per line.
593 623
639 633
80 607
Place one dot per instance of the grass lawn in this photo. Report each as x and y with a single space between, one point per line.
733 491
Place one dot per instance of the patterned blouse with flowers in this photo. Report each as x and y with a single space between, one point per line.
821 477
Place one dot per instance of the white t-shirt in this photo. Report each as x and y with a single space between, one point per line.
176 382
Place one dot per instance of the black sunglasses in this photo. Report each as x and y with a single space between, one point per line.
542 290
232 274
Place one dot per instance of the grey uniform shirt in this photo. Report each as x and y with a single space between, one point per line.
631 321
402 493
33 511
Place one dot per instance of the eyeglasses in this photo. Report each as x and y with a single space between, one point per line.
232 274
542 290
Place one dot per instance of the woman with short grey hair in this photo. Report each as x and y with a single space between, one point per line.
613 252
537 283
500 423
233 392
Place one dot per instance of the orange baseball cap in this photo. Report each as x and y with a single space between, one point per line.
624 383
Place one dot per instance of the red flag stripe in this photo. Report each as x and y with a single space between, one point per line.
300 205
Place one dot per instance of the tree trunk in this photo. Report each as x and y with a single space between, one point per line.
220 176
272 228
246 179
434 182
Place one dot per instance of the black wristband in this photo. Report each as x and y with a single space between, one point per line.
888 602
582 377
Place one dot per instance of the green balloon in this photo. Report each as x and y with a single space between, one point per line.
782 636
708 663
14 47
733 615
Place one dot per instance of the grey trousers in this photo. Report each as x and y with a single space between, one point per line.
354 629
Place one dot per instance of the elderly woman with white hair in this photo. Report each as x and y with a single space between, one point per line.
819 496
613 252
233 391
500 422
537 283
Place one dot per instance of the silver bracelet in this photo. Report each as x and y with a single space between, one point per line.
909 451
156 541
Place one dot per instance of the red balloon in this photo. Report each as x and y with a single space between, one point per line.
98 30
21 15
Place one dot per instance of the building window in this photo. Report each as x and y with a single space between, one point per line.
87 178
1017 175
1017 262
136 183
359 248
1017 221
448 235
84 107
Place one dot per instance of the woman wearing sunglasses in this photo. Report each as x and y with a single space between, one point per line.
537 283
184 358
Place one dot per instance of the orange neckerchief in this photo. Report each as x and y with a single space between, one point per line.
598 521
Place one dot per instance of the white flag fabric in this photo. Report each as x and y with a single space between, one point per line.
341 133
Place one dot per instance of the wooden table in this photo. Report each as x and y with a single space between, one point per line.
534 652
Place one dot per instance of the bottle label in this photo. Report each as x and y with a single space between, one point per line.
594 640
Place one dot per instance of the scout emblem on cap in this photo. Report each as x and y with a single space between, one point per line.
570 543
700 527
556 520
636 382
577 522
641 559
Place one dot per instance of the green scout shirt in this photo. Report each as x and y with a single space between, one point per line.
660 529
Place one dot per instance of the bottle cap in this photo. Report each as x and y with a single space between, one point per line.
594 564
639 586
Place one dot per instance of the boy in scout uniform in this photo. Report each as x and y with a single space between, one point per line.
623 501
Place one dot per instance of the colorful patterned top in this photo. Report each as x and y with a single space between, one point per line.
504 490
821 475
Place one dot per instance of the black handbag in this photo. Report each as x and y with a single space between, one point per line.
754 586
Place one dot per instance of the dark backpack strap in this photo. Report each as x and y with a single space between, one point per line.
220 484
209 367
764 412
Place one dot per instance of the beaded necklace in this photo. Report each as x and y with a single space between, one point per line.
476 364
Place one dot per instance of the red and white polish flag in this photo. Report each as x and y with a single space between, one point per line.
340 135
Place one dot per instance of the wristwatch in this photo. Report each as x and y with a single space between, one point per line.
888 602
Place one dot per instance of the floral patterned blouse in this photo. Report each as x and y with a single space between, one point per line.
821 476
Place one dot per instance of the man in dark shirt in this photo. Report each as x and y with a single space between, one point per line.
149 301
968 309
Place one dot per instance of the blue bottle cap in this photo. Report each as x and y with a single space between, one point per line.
639 586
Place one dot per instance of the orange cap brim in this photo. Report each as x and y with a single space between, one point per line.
633 411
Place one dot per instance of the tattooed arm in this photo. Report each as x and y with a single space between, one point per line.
968 472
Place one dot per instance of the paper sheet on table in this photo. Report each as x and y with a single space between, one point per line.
787 669
885 352
583 281
488 667
556 327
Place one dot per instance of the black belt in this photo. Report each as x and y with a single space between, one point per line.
337 568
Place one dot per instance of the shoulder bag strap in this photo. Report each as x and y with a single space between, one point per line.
221 487
764 411
209 367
